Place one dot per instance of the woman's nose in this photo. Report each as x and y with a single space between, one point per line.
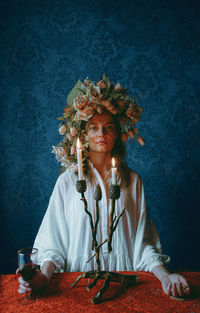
102 131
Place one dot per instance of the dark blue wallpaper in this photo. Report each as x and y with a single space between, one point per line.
152 48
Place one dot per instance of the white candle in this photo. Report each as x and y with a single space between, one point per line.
79 159
114 172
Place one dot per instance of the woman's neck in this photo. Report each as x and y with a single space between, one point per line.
101 161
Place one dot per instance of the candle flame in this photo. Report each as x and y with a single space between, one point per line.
113 162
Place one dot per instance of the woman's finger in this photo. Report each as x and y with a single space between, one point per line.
20 280
185 285
174 290
23 289
168 289
179 289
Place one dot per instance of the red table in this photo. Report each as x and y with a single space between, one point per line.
146 297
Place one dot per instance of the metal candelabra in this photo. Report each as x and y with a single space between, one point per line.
123 279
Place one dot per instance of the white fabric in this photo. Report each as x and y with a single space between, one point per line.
65 239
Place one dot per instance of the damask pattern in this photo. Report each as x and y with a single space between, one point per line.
152 48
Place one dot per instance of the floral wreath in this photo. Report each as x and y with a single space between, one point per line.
83 101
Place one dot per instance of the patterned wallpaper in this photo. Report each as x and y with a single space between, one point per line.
152 48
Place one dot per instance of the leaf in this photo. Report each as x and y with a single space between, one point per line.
125 128
107 81
74 92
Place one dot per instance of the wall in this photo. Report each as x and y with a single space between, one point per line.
152 48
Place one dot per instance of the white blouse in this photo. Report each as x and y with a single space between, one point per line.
65 238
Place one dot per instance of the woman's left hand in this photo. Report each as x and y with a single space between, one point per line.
175 285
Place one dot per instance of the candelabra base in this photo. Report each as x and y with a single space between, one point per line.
123 279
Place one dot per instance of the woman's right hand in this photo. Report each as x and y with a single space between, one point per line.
38 282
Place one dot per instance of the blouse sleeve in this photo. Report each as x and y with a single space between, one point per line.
148 251
52 238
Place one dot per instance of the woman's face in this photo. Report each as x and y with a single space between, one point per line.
102 132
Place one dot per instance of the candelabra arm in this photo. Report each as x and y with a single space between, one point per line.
110 231
97 212
86 210
101 244
117 220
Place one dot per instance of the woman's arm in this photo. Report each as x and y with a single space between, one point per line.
172 284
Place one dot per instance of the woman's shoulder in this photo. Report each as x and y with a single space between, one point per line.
66 177
135 176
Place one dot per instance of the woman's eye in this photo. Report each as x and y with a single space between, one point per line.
110 127
92 128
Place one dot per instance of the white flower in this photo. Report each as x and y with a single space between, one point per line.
62 129
118 86
59 152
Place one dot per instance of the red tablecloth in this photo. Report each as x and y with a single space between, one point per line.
147 296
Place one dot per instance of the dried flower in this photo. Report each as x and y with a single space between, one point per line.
141 140
105 103
111 108
101 84
62 129
121 103
69 136
131 133
134 112
124 137
73 150
73 131
59 151
99 109
118 87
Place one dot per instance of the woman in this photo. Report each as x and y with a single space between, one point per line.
102 115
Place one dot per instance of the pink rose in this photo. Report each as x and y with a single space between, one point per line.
80 102
134 112
73 131
85 114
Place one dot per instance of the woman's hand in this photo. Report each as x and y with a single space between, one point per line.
172 284
39 282
175 285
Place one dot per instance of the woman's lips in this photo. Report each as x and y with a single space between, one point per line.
102 142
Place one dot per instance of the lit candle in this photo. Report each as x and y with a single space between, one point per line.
79 159
114 172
